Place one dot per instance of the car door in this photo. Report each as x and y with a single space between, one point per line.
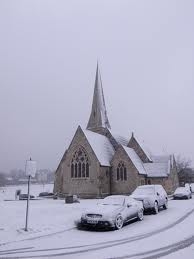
160 196
163 195
131 208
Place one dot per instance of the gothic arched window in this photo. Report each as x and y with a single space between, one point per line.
79 164
121 172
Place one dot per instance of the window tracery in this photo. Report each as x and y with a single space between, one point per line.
80 164
121 172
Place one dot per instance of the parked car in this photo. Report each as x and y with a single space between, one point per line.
182 193
192 187
113 212
152 196
188 186
24 196
46 195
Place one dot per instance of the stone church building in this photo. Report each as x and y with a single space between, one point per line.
98 163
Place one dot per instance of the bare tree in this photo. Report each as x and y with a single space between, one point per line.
182 163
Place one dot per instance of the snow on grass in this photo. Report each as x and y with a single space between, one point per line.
45 215
53 222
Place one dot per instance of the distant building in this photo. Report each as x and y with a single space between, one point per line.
98 162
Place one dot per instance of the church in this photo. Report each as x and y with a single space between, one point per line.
98 162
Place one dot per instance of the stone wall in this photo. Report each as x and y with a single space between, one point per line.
133 177
83 187
104 181
58 182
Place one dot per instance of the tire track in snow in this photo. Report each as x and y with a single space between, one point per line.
98 246
17 249
37 237
166 250
184 244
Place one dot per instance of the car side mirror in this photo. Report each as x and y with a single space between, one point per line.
158 194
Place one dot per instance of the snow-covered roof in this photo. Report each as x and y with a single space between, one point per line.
145 149
159 168
120 139
101 146
135 160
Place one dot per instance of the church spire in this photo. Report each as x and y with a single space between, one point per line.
98 117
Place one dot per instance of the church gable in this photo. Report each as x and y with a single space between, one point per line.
135 160
64 170
139 149
96 145
79 168
79 142
130 157
126 174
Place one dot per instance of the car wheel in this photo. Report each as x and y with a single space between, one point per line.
140 215
165 206
118 222
156 208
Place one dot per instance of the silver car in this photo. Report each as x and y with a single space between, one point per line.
113 212
152 196
182 193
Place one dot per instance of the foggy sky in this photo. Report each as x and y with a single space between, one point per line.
48 55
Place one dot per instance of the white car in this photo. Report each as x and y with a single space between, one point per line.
152 196
113 211
192 187
182 193
188 186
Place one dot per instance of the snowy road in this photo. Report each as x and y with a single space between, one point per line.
165 235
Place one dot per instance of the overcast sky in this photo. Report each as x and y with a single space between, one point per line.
48 55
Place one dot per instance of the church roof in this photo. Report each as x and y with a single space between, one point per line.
120 139
157 169
135 160
141 144
101 146
98 116
104 151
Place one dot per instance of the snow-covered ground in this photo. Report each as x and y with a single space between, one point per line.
52 232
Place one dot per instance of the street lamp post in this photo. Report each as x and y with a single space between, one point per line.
27 207
30 172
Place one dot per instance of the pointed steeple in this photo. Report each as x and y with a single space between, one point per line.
98 117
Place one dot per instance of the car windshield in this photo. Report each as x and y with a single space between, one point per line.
181 189
142 191
117 201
